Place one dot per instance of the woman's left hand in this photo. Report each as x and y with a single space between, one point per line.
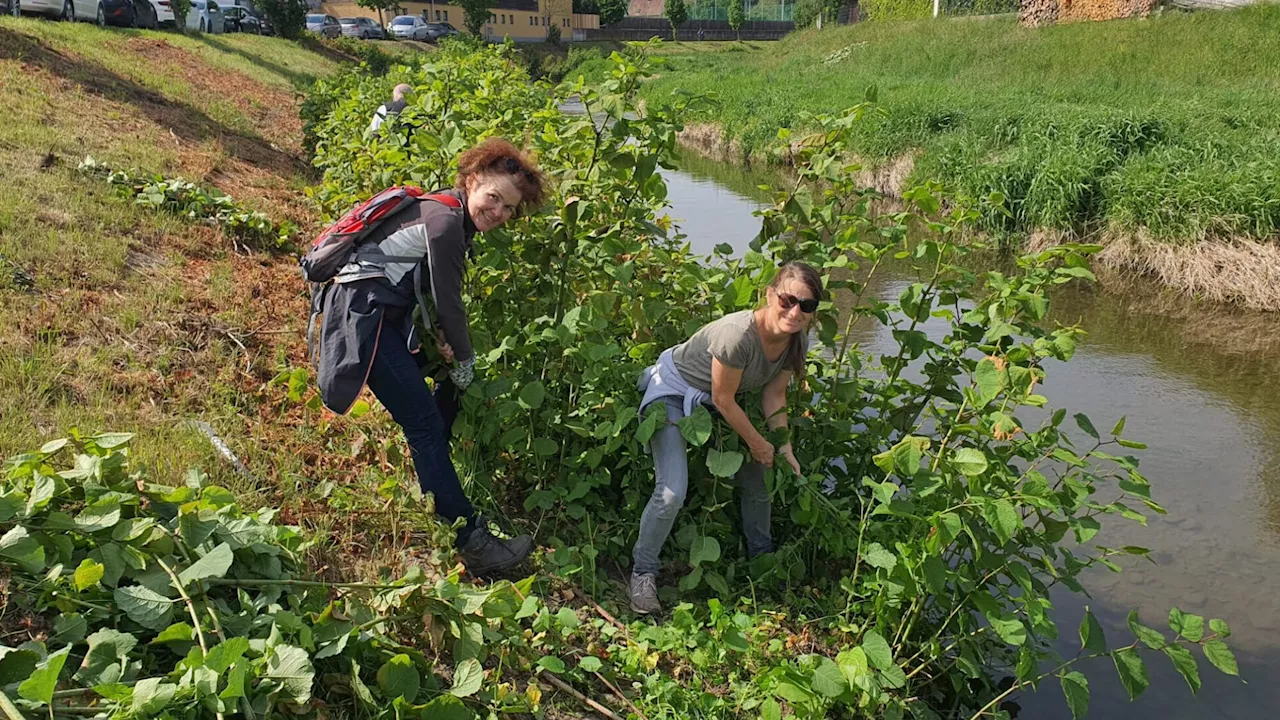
790 455
445 349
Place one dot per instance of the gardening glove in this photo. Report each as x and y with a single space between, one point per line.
463 373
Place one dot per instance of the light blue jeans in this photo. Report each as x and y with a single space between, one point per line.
671 466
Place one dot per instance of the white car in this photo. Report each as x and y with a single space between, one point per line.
164 13
205 16
411 27
53 8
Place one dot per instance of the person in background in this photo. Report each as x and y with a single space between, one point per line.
368 336
394 107
759 349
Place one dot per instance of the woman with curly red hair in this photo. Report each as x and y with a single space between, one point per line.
368 333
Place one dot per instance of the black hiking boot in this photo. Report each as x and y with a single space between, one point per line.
484 554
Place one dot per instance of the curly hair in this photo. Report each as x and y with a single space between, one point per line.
496 156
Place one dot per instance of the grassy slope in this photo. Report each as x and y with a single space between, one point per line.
1163 123
115 317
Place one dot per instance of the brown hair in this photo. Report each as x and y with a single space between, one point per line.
805 273
496 156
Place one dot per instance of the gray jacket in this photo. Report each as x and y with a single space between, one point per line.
355 304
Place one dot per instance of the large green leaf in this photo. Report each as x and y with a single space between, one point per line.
904 457
532 395
291 668
40 686
1132 671
446 707
223 655
399 678
696 427
88 574
213 564
1010 629
969 461
17 665
704 549
876 555
1003 519
42 491
151 695
18 545
1185 663
877 649
144 606
1188 626
1221 656
1076 689
1149 637
69 628
724 464
1091 636
989 381
101 515
107 659
236 676
828 680
467 678
853 663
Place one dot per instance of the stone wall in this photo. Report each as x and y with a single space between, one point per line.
1035 13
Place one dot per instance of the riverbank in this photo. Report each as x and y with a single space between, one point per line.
1154 137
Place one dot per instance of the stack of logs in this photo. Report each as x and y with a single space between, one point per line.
1036 13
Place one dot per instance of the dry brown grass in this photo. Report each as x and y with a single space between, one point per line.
1238 271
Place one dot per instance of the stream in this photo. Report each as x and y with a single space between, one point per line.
1199 385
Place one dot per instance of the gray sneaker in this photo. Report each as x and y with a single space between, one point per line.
644 594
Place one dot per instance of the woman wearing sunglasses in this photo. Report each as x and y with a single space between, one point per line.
750 350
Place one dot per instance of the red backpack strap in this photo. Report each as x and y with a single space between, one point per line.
444 199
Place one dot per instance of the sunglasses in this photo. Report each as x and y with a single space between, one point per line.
807 305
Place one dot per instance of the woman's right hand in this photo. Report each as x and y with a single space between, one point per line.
762 452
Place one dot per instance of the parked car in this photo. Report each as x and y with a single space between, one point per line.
267 27
144 15
410 27
100 12
206 16
238 18
53 8
435 31
164 13
324 25
362 27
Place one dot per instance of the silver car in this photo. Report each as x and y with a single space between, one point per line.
206 17
326 25
410 27
362 27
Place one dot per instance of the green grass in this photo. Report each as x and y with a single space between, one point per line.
115 316
1169 124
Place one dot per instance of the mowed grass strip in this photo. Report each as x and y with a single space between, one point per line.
116 317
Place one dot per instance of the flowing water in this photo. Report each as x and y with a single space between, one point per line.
1200 385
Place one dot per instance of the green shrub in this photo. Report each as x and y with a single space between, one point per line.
917 551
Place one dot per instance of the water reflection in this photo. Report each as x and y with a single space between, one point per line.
1198 384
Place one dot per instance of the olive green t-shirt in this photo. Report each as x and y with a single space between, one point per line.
735 342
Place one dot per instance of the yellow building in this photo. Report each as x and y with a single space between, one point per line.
520 20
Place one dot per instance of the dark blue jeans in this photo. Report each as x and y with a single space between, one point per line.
397 382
